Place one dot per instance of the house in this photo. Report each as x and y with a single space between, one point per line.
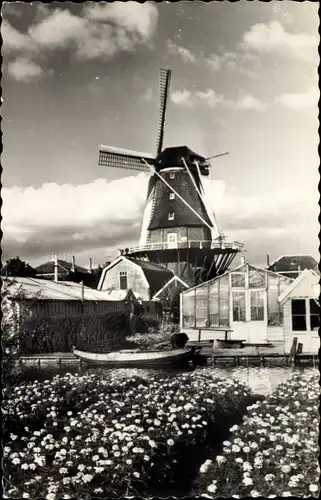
243 300
291 265
144 278
33 297
301 311
64 270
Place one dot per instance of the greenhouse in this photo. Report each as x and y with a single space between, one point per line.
244 300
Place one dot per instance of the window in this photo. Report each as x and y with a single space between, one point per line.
238 280
123 280
299 323
314 315
238 306
171 216
256 278
172 196
172 238
257 305
172 175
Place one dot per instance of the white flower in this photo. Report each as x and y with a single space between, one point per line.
24 466
212 487
86 478
286 494
313 488
129 461
51 496
285 468
247 481
254 493
136 474
25 495
170 442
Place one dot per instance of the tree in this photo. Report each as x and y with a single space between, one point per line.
17 267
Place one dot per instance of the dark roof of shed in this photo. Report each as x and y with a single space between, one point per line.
156 275
288 263
63 267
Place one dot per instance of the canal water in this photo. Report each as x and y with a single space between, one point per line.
262 380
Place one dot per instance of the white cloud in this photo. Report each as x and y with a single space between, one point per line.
182 98
14 41
24 70
300 101
211 97
246 102
185 54
139 19
272 37
219 61
36 221
58 29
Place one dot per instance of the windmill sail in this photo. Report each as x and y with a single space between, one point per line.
110 156
165 77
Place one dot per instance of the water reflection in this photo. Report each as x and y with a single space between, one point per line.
262 380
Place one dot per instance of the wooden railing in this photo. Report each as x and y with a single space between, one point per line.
185 245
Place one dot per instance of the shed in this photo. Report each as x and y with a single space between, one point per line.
292 265
39 297
243 300
144 278
301 310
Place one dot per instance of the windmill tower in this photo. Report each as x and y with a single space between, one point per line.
179 228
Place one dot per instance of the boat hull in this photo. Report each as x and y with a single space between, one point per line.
135 358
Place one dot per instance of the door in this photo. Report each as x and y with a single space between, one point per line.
257 316
172 240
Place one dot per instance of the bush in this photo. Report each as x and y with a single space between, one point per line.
275 451
79 436
96 333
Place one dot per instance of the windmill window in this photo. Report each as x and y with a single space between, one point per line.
171 216
172 196
123 280
314 315
299 323
172 175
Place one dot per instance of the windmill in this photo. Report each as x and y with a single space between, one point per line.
179 227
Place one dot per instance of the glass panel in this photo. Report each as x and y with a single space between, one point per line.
257 305
238 280
202 306
314 315
213 304
123 282
224 301
256 278
188 309
273 307
238 306
298 315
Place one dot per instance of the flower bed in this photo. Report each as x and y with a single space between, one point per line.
275 451
79 436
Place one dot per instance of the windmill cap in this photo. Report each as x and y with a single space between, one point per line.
173 156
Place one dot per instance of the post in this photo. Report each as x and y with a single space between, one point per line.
90 265
82 291
73 265
293 350
56 268
268 260
242 261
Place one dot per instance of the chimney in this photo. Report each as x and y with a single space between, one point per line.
73 265
55 267
65 257
53 257
268 260
242 261
90 265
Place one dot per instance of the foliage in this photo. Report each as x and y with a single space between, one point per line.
151 340
275 451
79 436
17 267
96 333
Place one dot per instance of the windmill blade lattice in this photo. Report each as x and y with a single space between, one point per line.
124 158
165 76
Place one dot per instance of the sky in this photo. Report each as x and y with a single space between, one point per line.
244 80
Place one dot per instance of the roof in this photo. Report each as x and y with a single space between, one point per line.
174 278
63 267
291 263
156 275
173 156
305 285
236 269
41 289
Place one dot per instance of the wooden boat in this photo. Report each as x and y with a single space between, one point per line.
135 357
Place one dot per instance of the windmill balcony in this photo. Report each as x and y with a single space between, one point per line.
200 244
